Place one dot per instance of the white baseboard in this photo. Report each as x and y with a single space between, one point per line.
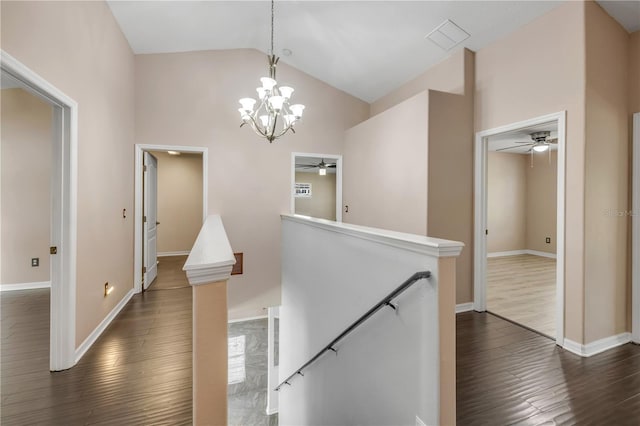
506 253
598 346
520 252
464 307
173 253
25 286
91 339
541 254
233 321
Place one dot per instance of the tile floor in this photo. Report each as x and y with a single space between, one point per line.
248 374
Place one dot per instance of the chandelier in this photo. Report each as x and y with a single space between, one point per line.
274 116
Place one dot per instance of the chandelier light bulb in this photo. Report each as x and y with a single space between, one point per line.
297 110
268 83
286 91
276 102
264 119
247 104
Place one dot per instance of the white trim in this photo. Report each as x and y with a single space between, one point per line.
64 183
137 218
598 346
635 219
25 286
435 247
174 253
521 252
259 317
506 253
541 254
91 338
211 258
292 190
464 307
480 213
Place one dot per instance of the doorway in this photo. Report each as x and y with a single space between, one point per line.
154 230
62 352
316 185
500 146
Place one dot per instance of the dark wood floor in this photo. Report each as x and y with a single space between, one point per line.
509 375
137 373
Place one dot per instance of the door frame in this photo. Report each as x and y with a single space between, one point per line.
292 189
138 201
480 213
635 245
64 184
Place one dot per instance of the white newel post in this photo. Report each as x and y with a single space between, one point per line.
208 268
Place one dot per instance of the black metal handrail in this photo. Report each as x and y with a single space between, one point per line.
384 302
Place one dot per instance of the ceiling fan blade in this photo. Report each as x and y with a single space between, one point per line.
554 140
331 165
306 166
523 142
510 147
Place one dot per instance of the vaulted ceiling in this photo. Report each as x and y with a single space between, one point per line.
365 48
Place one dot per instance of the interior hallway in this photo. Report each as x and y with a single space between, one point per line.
522 289
139 371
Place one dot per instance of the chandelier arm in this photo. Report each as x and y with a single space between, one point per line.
255 127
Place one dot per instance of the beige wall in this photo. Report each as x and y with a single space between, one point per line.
509 89
541 201
26 180
521 202
179 201
322 203
450 183
447 76
79 48
506 201
607 176
385 169
249 179
430 155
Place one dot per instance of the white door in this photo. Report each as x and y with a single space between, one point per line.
150 224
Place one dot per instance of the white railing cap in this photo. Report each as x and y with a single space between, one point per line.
211 258
436 247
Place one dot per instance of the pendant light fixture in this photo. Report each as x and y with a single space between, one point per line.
274 116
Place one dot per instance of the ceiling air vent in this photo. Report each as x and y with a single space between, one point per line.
447 35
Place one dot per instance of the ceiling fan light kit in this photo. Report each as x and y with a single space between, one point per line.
274 115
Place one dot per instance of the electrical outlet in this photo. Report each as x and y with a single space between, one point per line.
35 261
419 422
548 240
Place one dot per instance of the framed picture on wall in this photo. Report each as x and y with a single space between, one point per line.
303 190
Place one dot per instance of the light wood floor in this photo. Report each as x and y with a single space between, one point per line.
523 289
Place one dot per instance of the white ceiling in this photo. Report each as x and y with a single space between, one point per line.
365 48
626 12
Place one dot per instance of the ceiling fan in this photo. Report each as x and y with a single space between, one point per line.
540 142
321 166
